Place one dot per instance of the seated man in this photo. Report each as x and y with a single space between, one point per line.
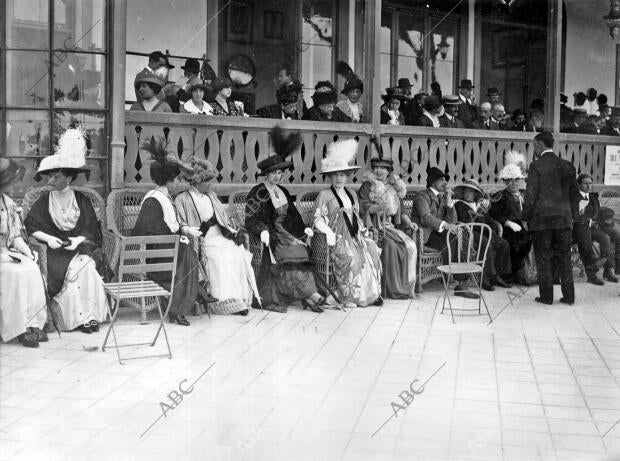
589 207
286 108
450 118
434 212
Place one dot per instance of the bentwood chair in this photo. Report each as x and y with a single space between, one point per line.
467 245
137 259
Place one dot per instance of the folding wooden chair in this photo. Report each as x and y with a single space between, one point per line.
136 259
467 253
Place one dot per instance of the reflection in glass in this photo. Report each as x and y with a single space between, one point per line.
442 56
27 133
316 43
27 24
79 81
78 25
386 47
27 78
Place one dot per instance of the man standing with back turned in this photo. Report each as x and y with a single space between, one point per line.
550 185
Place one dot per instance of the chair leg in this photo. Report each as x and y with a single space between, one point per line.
164 315
111 329
112 310
162 327
446 294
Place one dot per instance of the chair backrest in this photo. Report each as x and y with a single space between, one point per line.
611 199
123 209
408 201
470 243
236 208
305 205
33 194
142 254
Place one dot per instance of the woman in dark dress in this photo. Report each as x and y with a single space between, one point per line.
285 273
222 104
158 216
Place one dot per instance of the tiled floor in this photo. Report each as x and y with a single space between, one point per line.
539 383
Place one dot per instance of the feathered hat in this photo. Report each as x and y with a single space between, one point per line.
69 155
161 158
202 171
352 80
10 170
515 166
281 147
340 157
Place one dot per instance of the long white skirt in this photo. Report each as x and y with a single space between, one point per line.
82 297
229 271
22 296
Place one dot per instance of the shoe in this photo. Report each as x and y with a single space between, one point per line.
566 301
243 312
313 307
28 340
594 280
276 308
179 319
379 301
463 292
204 294
40 335
538 299
486 286
610 277
500 282
85 328
94 326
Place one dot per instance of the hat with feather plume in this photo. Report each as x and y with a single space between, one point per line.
281 146
69 155
340 156
515 166
157 147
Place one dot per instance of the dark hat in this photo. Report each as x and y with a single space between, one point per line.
286 95
451 100
432 102
615 111
325 84
403 83
382 162
466 83
537 104
324 95
393 93
195 83
563 98
433 174
516 113
353 83
10 170
192 66
168 65
275 162
156 56
492 91
601 99
220 83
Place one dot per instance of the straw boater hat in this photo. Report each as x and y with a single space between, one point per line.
69 156
10 170
469 184
281 147
340 157
515 166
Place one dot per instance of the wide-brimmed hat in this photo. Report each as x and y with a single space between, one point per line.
221 83
451 100
433 174
201 171
382 162
394 93
432 102
149 77
340 156
70 155
273 163
353 83
403 83
511 172
467 84
10 170
192 66
324 95
195 83
469 184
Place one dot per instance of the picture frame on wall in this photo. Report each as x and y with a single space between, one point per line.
273 22
239 22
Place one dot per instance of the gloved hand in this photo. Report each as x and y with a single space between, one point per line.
309 232
513 226
331 239
192 231
264 237
75 241
54 242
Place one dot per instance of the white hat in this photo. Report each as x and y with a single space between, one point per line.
70 154
340 157
511 171
515 166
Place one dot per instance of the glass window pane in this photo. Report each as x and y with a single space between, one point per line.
409 68
27 80
386 79
27 133
317 22
410 33
27 24
386 32
79 25
442 55
79 81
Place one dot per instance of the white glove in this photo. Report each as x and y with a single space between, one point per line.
309 232
264 237
331 239
75 241
514 226
192 231
54 242
184 240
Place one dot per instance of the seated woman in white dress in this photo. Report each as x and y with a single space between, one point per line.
66 221
196 105
227 263
23 309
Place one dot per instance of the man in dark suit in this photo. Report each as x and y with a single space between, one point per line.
468 112
451 112
612 126
588 207
434 213
549 215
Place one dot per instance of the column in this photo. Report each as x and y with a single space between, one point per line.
117 144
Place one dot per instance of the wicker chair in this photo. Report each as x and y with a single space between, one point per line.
236 211
428 258
110 244
611 199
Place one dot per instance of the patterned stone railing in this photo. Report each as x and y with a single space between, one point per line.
236 145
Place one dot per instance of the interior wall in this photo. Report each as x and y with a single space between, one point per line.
590 51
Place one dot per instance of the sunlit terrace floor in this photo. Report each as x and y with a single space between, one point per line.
539 383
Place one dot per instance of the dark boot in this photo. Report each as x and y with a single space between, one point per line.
204 295
593 279
608 275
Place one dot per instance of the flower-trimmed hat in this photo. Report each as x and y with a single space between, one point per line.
202 171
325 93
515 166
69 155
340 157
10 170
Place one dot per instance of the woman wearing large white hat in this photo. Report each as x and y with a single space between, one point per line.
65 220
357 266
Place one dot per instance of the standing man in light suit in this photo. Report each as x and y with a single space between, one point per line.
549 214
